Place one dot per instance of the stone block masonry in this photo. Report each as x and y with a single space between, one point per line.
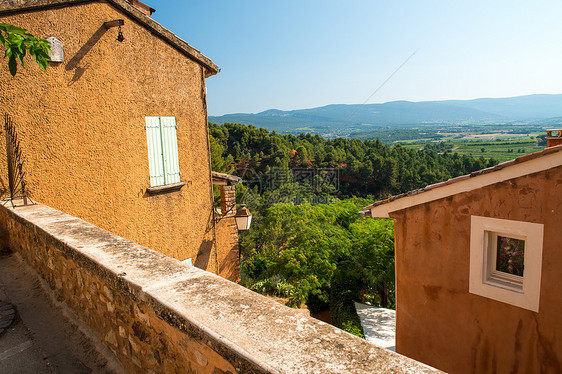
228 200
158 315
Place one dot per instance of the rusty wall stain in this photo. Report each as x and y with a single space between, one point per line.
466 333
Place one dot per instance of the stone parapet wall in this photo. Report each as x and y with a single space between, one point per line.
159 315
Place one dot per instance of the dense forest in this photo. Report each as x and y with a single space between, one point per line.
307 242
364 167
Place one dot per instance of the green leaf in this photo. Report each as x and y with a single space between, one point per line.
13 65
43 64
15 30
21 55
18 43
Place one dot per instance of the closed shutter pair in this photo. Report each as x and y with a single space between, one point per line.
162 143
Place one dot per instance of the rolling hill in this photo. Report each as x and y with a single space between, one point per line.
345 119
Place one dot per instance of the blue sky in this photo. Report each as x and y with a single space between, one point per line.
302 54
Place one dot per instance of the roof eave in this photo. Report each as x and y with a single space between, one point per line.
226 178
210 67
17 6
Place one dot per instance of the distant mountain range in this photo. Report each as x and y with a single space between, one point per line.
348 119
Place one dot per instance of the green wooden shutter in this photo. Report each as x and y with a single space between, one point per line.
170 147
155 154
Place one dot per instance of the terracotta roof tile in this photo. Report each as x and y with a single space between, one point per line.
457 179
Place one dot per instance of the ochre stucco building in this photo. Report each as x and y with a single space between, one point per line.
478 262
99 130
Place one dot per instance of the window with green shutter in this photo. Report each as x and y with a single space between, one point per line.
162 144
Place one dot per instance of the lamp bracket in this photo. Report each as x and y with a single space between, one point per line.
223 215
114 23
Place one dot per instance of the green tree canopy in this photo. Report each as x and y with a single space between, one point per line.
304 247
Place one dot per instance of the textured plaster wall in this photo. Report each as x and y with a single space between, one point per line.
81 125
439 322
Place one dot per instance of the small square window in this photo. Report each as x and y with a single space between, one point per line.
506 260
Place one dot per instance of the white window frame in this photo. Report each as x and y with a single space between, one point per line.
485 280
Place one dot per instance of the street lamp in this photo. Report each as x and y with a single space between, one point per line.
243 218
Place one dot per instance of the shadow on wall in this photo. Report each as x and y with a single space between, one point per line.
75 61
228 254
206 248
4 190
204 254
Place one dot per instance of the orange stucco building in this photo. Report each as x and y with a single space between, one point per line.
478 262
115 132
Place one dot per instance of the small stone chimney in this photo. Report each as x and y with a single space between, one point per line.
553 137
228 200
142 7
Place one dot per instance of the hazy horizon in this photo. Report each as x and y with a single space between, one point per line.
385 102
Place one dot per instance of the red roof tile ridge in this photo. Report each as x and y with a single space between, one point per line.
518 160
